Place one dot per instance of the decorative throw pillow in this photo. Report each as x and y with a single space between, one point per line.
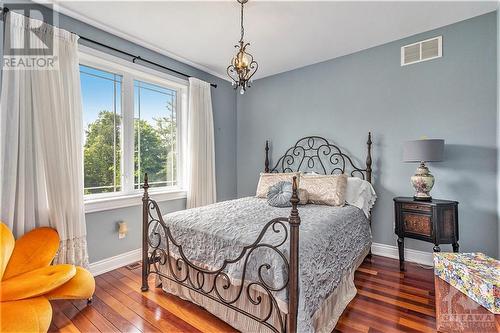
303 196
325 189
279 194
268 179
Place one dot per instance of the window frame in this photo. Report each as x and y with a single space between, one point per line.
130 72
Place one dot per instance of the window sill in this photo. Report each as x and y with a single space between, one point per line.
130 200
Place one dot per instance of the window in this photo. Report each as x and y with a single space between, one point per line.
101 95
132 125
155 135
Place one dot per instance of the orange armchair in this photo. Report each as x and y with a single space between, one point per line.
28 281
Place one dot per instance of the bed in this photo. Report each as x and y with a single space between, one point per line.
239 259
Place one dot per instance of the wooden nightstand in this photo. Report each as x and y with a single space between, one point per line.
434 221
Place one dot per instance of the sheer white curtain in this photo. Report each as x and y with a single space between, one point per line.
41 167
201 146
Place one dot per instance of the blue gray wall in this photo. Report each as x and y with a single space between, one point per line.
453 98
102 236
102 230
498 125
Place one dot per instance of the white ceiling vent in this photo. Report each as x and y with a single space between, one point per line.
421 51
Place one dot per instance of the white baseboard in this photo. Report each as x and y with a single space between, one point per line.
108 264
391 251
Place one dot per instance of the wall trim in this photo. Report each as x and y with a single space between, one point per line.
391 251
111 263
123 201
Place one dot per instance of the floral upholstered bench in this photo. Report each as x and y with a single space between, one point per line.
467 292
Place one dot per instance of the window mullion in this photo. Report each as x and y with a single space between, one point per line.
128 133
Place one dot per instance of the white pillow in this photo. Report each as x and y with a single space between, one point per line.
360 193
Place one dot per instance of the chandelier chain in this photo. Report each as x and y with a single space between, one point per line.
242 27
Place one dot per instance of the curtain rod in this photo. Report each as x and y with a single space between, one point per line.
134 57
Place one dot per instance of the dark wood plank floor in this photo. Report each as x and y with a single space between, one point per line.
387 301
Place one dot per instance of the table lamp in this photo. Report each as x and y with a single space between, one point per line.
426 150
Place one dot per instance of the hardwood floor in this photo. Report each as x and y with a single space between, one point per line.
387 301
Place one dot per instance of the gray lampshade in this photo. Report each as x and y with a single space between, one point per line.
429 150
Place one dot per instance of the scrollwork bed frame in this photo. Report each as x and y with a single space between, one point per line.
310 153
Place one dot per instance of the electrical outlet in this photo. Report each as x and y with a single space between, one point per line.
122 229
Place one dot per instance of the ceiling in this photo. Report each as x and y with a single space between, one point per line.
283 35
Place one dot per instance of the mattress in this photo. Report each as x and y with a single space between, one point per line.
331 242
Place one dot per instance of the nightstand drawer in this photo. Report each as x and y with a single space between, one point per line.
417 224
417 207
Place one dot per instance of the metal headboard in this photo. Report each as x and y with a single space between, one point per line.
314 153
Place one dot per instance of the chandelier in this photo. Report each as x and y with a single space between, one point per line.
242 67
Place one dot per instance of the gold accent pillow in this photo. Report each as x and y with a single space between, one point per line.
325 189
267 180
303 196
